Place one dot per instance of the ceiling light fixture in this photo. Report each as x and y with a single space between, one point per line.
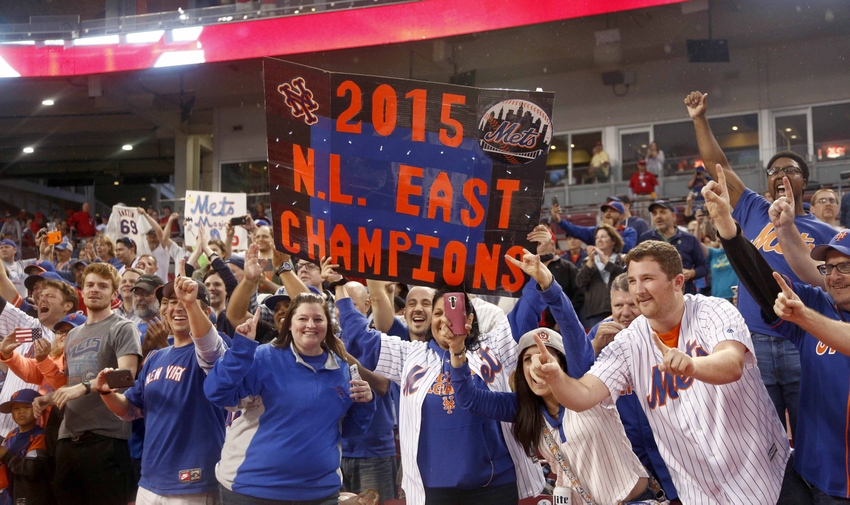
127 147
47 102
29 150
788 129
734 128
116 183
552 147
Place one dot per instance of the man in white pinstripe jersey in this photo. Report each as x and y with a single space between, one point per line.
689 359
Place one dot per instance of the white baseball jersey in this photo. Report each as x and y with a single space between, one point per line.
595 446
10 319
412 365
127 222
722 444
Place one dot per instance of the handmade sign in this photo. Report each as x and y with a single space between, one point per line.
405 180
214 211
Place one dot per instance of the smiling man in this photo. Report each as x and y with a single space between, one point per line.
779 361
688 359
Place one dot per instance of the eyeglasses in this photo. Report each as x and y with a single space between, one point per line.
827 200
826 269
789 170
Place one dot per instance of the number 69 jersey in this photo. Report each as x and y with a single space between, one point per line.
127 222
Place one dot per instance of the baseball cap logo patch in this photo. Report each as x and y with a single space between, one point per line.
543 336
840 236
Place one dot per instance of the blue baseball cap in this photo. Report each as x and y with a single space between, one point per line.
262 222
839 242
613 204
6 241
22 396
39 267
30 280
239 261
74 319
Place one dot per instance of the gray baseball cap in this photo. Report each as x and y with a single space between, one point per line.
549 337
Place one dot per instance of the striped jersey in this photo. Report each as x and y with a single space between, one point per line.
722 444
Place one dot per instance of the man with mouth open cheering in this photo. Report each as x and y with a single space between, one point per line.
778 359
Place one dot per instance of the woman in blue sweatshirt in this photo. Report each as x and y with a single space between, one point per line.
293 393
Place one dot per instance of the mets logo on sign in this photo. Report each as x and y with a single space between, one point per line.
514 132
300 100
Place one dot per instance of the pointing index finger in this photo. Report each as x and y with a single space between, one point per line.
721 177
789 194
659 344
544 354
786 289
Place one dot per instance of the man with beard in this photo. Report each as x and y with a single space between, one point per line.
778 359
825 207
624 310
92 458
664 215
689 360
145 304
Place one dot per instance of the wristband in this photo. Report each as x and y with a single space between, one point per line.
547 257
334 285
461 354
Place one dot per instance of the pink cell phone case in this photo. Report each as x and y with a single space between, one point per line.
455 310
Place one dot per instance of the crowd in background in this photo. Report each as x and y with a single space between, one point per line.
158 373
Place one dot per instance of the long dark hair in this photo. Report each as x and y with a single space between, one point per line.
529 422
473 339
331 342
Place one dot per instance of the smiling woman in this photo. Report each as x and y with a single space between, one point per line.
299 382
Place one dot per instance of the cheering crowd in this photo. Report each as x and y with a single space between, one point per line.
629 370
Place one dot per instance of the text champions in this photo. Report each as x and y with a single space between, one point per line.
405 180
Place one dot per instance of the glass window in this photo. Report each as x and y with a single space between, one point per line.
633 147
679 144
245 177
738 136
792 134
575 148
831 131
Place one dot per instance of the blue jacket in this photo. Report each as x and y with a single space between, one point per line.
285 446
587 234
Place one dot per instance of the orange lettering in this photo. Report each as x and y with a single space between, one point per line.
447 119
417 116
469 188
384 109
370 250
288 220
315 240
507 187
399 241
422 273
518 276
454 263
336 194
303 168
342 124
440 197
406 189
340 245
486 266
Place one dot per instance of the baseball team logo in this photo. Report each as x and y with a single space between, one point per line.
543 336
300 100
514 132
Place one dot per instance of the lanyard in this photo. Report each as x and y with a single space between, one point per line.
553 447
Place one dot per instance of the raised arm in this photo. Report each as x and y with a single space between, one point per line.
709 149
575 394
154 225
798 255
226 383
240 300
725 364
584 233
383 314
833 333
752 269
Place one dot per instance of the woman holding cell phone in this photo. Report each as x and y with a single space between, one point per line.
449 455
